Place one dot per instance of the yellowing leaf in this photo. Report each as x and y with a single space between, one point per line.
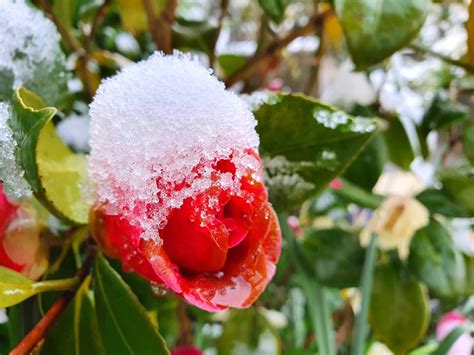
54 172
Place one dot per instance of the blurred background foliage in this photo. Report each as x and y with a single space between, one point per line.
408 63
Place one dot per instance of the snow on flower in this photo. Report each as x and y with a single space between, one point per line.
12 175
399 216
464 344
30 54
179 191
20 246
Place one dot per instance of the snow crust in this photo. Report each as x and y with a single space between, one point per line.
157 130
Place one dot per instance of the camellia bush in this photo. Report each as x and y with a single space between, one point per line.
236 177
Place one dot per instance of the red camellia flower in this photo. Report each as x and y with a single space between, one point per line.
216 255
180 196
20 246
186 350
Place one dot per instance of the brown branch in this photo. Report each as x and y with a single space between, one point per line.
96 21
37 334
185 337
68 40
161 29
457 63
260 59
224 9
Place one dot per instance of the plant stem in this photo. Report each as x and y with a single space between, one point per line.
56 285
316 296
36 335
360 332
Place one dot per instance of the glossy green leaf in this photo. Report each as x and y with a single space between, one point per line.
436 261
367 168
468 143
458 183
14 287
375 29
305 144
398 145
443 114
123 322
248 332
274 9
399 314
437 202
54 172
77 330
333 256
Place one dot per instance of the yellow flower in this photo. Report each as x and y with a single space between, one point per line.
399 216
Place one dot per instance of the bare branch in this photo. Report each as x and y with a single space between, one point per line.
260 59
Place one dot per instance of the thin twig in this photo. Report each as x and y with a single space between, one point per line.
458 63
152 22
185 327
313 80
256 61
68 40
224 8
161 29
36 335
97 20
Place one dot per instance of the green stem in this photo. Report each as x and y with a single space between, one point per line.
360 332
56 285
316 296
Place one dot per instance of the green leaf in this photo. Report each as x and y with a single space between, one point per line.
367 168
353 194
398 145
437 262
443 114
14 287
77 330
458 183
248 332
274 9
399 314
54 172
123 321
188 35
231 63
305 144
333 256
437 202
468 143
375 29
469 260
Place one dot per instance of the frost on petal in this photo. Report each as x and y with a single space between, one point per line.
12 175
30 53
157 130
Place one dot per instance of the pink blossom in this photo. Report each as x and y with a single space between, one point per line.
451 320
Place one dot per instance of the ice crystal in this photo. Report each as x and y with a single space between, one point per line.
157 129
